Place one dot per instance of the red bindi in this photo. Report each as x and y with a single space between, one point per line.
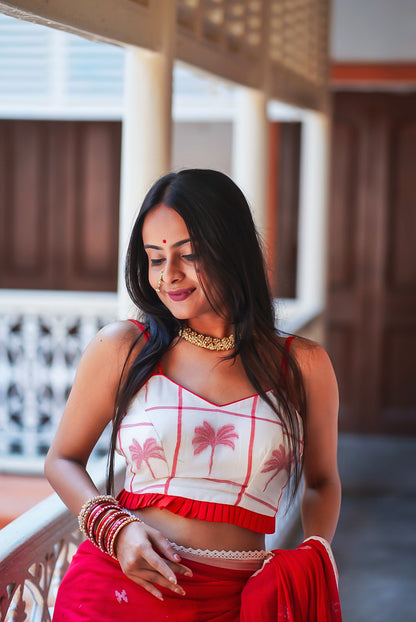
164 241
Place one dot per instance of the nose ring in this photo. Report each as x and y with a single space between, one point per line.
159 282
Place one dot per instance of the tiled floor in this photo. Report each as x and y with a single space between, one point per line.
375 543
19 493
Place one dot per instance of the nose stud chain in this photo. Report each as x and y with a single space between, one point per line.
159 282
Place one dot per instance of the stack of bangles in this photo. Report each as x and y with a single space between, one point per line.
101 519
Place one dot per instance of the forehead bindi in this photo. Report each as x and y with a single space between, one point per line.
163 227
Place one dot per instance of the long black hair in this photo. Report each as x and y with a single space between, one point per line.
228 250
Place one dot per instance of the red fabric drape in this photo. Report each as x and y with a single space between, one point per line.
294 586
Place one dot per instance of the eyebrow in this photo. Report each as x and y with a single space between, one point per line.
159 248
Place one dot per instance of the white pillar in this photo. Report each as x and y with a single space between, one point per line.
313 210
146 141
249 151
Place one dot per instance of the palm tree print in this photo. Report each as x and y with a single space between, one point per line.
149 450
280 461
206 436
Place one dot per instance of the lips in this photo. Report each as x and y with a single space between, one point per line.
178 295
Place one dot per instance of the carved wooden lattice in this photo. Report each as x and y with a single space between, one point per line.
280 46
35 552
298 37
39 354
31 594
233 25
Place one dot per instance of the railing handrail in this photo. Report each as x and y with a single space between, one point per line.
25 533
64 302
41 537
30 532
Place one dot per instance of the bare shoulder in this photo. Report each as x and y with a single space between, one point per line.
313 360
113 343
118 334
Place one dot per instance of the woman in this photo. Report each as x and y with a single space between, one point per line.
213 410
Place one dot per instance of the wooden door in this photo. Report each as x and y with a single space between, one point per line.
59 204
371 306
283 207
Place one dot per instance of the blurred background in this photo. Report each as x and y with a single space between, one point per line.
311 108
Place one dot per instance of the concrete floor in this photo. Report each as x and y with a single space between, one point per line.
375 543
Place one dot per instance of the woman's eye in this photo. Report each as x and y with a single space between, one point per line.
156 262
190 257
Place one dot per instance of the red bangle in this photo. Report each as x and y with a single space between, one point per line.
88 505
94 516
105 524
110 543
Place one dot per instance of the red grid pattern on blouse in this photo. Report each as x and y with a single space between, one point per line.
178 441
178 445
250 450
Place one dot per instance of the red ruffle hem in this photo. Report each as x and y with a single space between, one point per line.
293 586
191 508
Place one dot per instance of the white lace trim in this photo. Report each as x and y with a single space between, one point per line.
329 551
214 554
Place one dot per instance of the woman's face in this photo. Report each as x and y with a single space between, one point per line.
168 246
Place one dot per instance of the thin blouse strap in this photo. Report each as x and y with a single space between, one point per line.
141 326
144 331
288 341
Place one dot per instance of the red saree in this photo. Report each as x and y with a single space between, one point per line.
293 586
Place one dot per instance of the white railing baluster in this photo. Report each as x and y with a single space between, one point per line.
35 552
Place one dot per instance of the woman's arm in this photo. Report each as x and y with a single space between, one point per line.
322 491
88 410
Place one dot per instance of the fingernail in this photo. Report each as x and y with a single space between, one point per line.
173 579
177 557
179 590
159 596
188 573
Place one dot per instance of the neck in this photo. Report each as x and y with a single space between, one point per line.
218 328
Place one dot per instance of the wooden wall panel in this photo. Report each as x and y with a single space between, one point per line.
25 254
59 205
283 207
371 316
344 202
287 239
401 231
398 386
341 337
94 222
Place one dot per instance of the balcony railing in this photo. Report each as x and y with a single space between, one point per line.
35 552
42 336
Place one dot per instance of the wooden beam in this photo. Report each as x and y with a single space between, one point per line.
372 73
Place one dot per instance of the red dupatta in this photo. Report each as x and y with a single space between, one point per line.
298 585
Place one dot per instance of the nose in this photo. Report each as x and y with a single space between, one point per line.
172 272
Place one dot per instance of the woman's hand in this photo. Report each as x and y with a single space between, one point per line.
135 549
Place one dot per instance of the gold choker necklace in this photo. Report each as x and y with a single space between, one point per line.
205 341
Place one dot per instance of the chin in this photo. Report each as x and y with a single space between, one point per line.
178 313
